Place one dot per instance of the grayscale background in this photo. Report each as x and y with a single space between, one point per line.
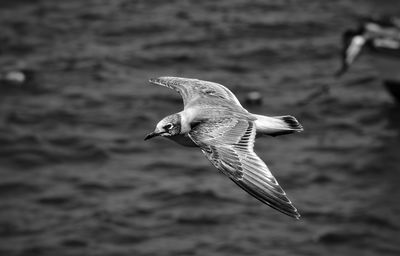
76 177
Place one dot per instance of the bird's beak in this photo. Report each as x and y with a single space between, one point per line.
156 133
151 135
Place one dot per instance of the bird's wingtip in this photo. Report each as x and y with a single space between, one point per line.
294 214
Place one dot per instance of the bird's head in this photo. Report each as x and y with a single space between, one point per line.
168 126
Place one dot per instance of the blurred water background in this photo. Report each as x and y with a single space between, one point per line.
76 177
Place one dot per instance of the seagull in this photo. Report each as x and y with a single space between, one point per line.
380 36
214 120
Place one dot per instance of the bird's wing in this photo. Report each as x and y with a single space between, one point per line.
192 88
228 143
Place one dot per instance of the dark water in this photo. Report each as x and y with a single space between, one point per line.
76 177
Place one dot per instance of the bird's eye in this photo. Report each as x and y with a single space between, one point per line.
168 126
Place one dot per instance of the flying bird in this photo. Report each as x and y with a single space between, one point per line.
380 37
214 120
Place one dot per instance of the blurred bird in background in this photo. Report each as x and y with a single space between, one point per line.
380 38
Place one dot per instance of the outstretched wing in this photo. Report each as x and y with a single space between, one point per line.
228 143
192 88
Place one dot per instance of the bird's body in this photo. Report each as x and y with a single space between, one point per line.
215 121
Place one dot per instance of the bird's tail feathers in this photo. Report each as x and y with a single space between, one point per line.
277 125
